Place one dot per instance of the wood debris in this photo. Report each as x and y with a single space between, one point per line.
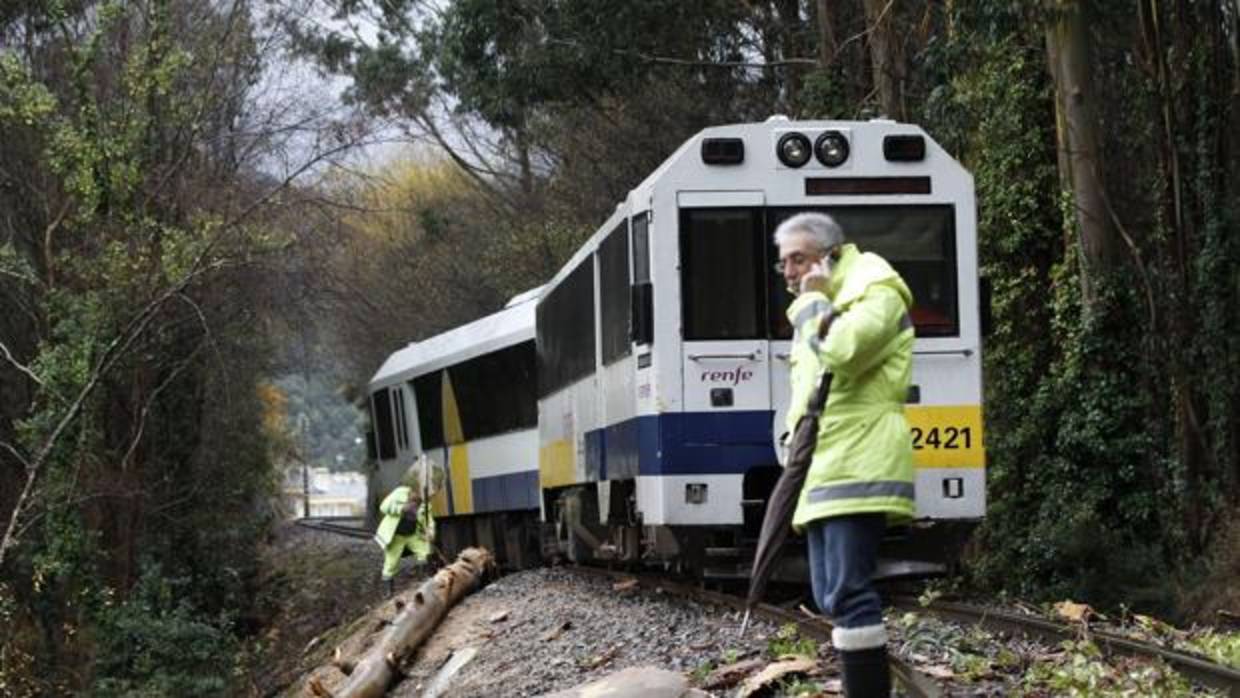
729 675
776 672
1075 612
625 585
557 631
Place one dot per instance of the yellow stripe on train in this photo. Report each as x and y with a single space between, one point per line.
947 436
556 464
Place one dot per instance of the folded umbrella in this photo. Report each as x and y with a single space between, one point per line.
777 522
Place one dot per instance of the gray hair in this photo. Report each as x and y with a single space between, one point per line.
820 228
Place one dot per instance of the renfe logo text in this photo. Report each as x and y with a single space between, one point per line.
734 376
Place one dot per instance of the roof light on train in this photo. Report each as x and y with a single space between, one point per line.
904 148
831 148
723 151
793 149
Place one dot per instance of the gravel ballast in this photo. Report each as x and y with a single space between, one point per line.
549 629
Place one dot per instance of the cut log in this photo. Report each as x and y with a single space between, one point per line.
422 611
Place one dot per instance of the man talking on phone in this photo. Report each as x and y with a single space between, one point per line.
850 318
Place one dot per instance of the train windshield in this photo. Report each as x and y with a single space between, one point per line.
730 290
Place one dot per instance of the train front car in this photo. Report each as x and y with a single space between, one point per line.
466 400
663 346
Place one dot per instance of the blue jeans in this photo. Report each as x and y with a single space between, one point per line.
843 554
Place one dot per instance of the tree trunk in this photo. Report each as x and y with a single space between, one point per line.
886 57
374 672
789 13
1076 128
826 35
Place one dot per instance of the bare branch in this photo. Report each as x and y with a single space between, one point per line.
150 401
695 63
15 453
20 366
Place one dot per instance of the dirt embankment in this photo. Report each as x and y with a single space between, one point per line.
319 585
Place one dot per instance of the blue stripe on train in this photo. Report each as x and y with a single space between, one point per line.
681 443
506 492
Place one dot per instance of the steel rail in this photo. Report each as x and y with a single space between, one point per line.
328 526
915 683
1202 671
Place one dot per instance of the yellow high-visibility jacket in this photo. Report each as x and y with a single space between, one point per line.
391 508
864 459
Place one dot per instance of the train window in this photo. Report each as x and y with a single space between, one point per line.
428 396
722 262
641 248
919 241
565 330
402 431
613 294
495 392
382 416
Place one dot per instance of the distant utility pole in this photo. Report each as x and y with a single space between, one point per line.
305 490
303 425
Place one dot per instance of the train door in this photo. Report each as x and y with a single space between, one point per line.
778 298
724 314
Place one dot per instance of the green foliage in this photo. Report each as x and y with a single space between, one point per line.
1221 647
1093 494
699 675
155 644
137 308
800 687
1081 671
788 641
972 652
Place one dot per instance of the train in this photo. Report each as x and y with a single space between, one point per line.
629 410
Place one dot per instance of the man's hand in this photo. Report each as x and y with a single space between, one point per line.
815 279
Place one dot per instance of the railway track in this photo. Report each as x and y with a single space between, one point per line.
1197 669
914 683
336 525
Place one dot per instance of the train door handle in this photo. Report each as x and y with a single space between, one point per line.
751 356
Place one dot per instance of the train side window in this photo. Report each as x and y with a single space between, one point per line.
641 299
428 396
382 406
614 290
565 330
641 248
495 392
402 433
722 278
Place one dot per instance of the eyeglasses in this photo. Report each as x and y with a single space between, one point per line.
798 259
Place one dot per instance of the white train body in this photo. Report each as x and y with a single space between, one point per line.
685 410
662 374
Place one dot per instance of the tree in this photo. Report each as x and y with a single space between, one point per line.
144 220
1081 164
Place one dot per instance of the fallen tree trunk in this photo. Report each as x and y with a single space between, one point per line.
374 671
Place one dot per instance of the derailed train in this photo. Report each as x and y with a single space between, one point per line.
628 409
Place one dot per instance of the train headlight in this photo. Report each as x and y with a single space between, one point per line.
831 148
793 149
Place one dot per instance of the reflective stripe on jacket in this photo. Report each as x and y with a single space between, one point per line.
391 508
864 458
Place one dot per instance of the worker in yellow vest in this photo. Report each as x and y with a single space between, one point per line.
406 526
851 319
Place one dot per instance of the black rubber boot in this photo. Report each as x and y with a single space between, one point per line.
866 673
390 584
